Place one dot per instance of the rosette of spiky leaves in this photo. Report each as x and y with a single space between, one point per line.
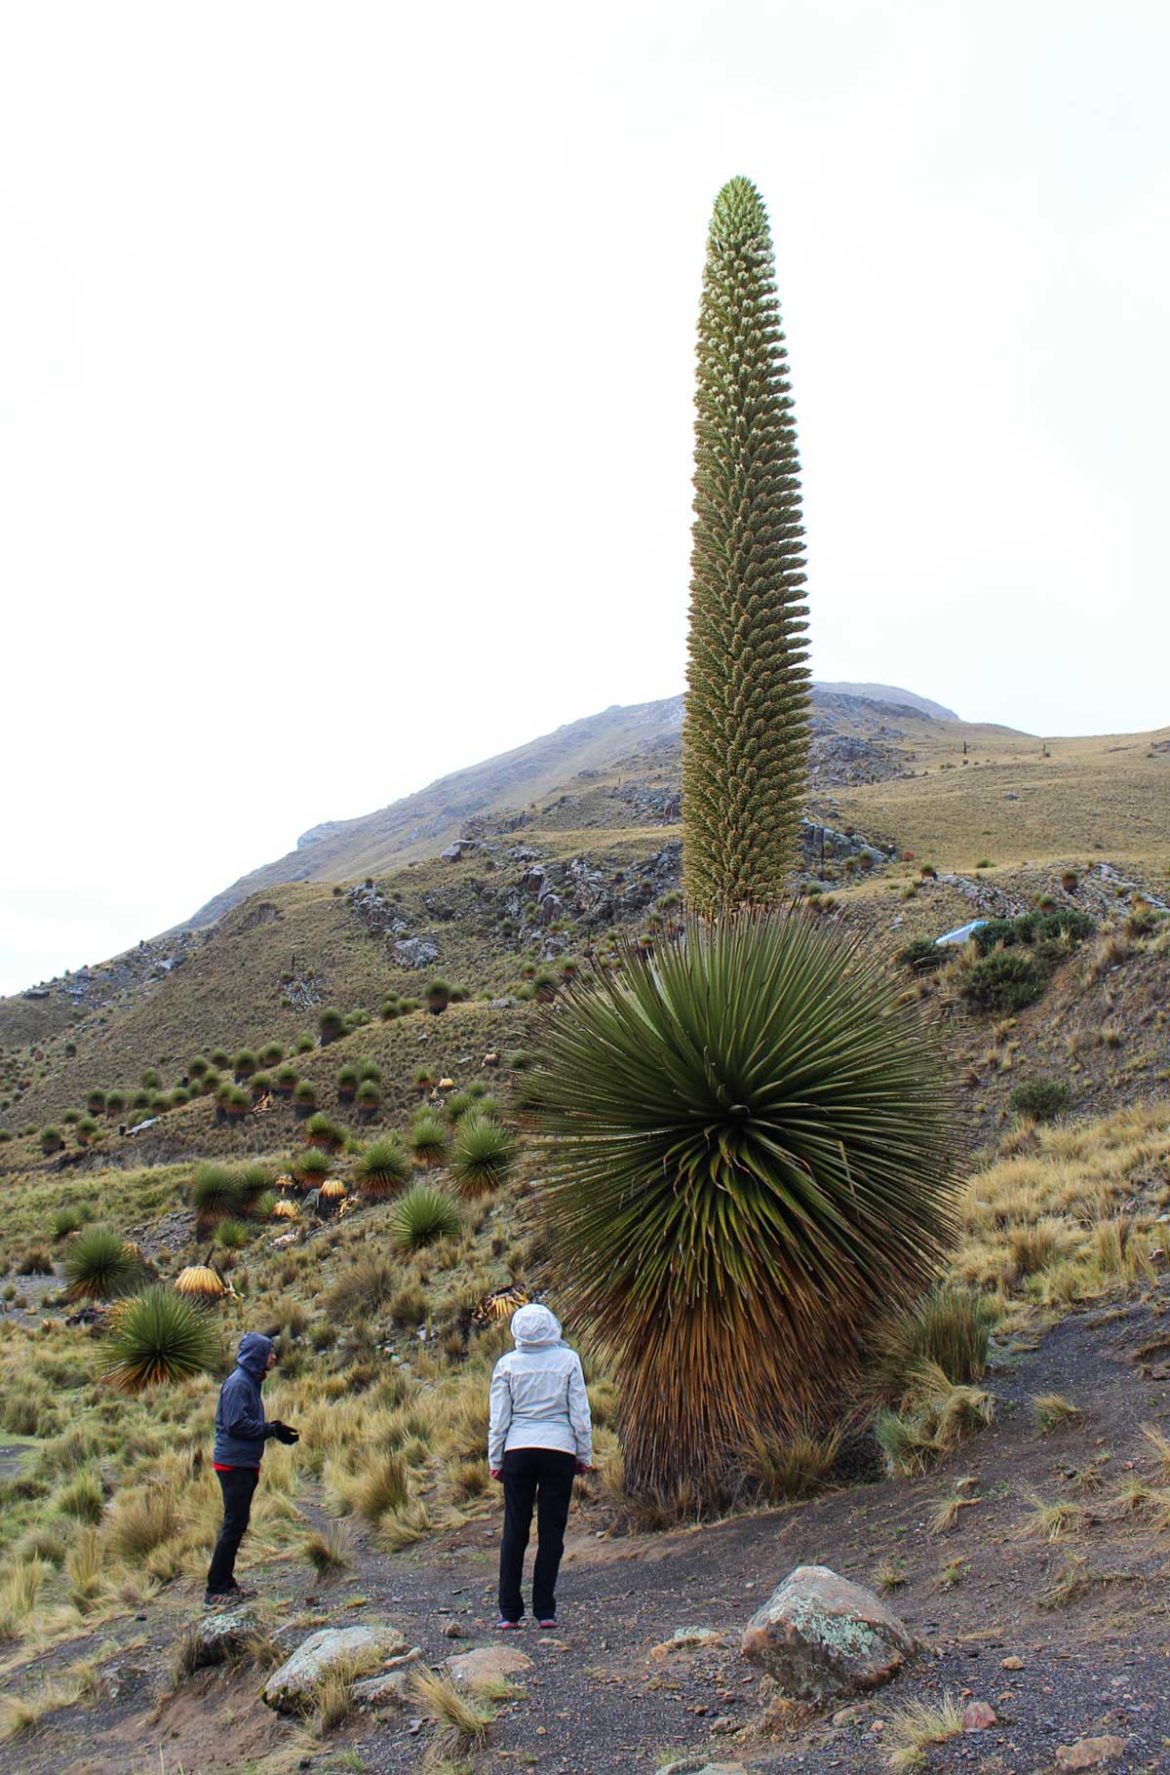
99 1265
750 1159
745 735
483 1154
160 1337
218 1193
383 1169
428 1138
422 1216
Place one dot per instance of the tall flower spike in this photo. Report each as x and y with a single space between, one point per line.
745 736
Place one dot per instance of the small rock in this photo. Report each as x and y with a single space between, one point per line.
392 1687
220 1636
486 1666
289 1687
1090 1753
685 1639
845 1716
977 1716
819 1636
453 1631
1012 1663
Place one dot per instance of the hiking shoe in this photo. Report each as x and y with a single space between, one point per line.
240 1593
547 1623
504 1626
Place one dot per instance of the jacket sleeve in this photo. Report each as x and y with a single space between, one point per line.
242 1415
579 1416
501 1416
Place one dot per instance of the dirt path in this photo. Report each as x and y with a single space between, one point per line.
1087 1615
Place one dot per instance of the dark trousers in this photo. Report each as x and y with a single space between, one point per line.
237 1485
543 1476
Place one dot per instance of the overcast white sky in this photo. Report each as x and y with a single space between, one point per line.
346 380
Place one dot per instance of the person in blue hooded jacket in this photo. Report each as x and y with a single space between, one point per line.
241 1430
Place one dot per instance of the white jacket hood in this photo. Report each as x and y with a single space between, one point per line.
535 1328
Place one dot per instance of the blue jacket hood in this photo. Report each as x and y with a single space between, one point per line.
253 1355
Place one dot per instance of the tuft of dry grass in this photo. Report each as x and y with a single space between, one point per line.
912 1728
1051 1411
463 1725
1052 1522
329 1552
798 1467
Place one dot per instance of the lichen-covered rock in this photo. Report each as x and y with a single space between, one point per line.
290 1688
819 1636
391 1687
223 1635
487 1666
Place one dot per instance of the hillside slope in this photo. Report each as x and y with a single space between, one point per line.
422 823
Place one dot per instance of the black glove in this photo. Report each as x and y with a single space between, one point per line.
285 1433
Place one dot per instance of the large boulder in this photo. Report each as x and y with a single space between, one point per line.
820 1637
359 1649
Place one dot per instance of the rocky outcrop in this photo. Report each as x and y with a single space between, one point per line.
290 1688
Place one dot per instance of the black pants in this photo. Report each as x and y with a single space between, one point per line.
237 1485
543 1476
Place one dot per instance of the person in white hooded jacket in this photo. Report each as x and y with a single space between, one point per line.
539 1438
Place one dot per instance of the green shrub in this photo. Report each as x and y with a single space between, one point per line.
52 1141
271 1054
220 1059
304 1043
1005 980
99 1265
87 1131
95 1102
368 1072
428 1138
369 1098
244 1065
922 956
198 1067
423 1216
1064 926
217 1193
160 1338
231 1235
347 1083
65 1221
151 1079
284 1080
71 1117
320 1131
383 1169
1041 1099
310 1167
304 1099
330 1026
438 996
483 1155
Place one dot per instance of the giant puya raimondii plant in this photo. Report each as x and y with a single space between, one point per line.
745 738
749 1146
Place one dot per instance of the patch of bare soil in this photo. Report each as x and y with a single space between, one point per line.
1065 1638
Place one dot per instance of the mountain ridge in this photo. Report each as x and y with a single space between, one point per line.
417 824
